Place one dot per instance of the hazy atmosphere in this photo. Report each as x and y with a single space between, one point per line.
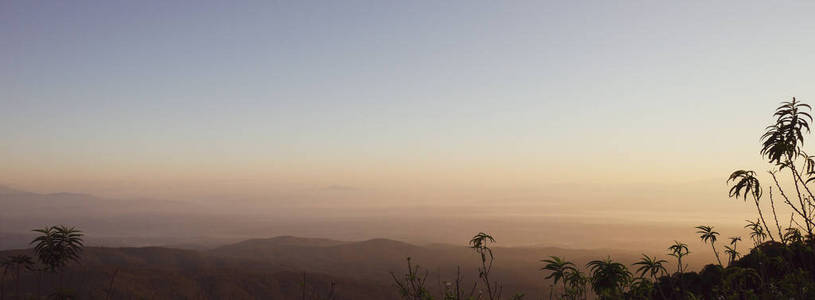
581 125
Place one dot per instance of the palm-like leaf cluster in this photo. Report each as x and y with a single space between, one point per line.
480 244
746 183
708 235
609 278
732 254
793 235
560 270
781 141
679 250
651 265
577 281
757 233
731 251
57 246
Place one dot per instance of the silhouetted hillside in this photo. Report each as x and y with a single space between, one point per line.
372 260
162 273
273 268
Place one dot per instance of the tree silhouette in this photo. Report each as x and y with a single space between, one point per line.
746 183
706 234
781 145
55 248
608 278
679 250
577 284
411 286
559 268
793 235
757 233
480 244
652 266
781 141
731 252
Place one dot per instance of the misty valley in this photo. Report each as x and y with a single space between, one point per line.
407 150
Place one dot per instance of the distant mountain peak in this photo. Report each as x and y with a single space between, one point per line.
383 243
284 241
75 195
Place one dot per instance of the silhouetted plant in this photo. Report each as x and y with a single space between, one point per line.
757 233
782 140
651 266
559 269
771 270
746 183
578 282
731 251
641 288
781 145
55 248
480 244
801 212
707 235
412 285
608 278
793 235
679 250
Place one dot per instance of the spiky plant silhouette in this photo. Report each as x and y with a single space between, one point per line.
757 233
745 183
412 284
732 254
577 285
679 250
781 145
731 251
480 244
640 288
708 235
55 248
608 278
559 269
793 235
651 266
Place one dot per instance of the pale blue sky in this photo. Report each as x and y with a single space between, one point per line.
129 97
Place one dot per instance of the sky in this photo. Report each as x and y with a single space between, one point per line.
608 111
